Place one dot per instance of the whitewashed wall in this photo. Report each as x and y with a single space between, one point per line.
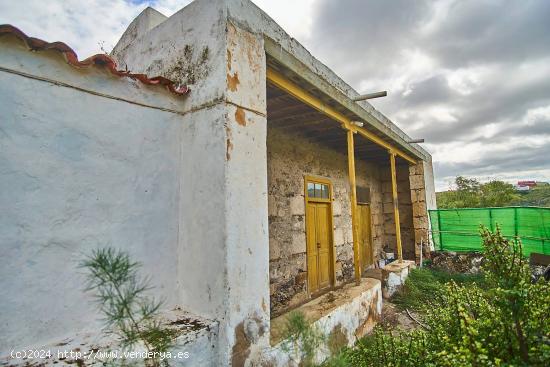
223 224
79 171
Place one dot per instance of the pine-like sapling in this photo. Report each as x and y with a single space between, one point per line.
121 295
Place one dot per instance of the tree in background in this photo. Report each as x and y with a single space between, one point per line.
466 195
498 193
470 193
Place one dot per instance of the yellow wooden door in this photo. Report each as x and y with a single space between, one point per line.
311 238
319 246
365 234
323 243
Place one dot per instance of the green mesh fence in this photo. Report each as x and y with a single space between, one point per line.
458 229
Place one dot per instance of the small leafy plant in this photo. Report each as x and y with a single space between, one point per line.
302 339
120 292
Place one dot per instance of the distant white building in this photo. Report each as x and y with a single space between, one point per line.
525 185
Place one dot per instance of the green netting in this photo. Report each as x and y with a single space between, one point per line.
458 229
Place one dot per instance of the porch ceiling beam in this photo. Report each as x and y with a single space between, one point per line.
278 97
301 125
293 117
301 94
369 150
327 138
364 156
287 109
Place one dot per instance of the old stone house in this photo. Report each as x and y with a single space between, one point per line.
254 185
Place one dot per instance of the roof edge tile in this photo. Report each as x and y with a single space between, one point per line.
98 60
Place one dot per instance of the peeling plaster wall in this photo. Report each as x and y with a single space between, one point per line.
189 47
290 158
354 317
225 68
78 172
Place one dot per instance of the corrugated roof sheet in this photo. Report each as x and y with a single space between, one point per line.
99 60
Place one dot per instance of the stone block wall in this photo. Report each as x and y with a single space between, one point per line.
290 158
419 207
405 210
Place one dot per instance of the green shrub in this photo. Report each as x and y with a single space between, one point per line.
502 321
425 287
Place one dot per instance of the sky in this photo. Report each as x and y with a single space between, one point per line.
471 77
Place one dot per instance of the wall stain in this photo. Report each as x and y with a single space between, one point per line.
233 81
229 60
372 318
240 116
228 143
187 69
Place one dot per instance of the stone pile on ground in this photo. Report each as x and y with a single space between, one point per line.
470 263
457 262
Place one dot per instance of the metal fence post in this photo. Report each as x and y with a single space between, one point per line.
516 223
439 229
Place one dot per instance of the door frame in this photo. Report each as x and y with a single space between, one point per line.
307 199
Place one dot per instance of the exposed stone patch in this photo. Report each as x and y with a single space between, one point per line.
241 348
229 59
337 339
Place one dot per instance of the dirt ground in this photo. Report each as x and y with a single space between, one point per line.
392 317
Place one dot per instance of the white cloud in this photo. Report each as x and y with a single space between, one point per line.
81 25
535 115
294 16
467 80
88 26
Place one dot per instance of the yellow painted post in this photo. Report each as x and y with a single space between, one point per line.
396 207
353 200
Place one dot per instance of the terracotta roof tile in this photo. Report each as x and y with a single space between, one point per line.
99 60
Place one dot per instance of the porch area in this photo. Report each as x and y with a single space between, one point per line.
338 197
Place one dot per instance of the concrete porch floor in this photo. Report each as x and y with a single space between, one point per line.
361 300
